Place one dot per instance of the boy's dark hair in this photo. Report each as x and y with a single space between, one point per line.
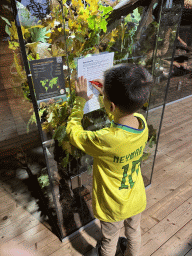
127 86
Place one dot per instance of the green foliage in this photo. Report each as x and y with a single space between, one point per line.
26 90
85 33
33 118
7 30
6 20
60 134
44 180
145 156
39 34
152 136
99 24
65 161
154 6
134 17
127 31
152 141
105 10
89 169
45 38
13 45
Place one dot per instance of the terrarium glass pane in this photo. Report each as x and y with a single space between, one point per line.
31 11
137 38
161 67
144 35
33 164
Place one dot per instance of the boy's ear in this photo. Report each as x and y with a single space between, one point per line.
112 105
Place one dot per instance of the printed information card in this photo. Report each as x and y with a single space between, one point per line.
48 79
93 68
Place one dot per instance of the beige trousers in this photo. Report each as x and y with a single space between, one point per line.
110 235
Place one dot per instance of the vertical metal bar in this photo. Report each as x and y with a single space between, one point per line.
78 166
167 88
169 4
27 70
154 54
66 48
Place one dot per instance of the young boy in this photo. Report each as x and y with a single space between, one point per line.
118 190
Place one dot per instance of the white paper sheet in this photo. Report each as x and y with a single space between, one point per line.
93 68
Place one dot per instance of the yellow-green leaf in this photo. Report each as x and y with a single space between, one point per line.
13 45
13 31
19 67
6 20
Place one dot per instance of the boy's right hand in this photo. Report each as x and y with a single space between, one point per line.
98 88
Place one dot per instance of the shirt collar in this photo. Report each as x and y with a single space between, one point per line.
128 128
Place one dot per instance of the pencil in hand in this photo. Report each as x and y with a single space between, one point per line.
96 83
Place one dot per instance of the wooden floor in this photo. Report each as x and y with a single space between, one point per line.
167 221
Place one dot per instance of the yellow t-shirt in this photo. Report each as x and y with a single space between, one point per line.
118 187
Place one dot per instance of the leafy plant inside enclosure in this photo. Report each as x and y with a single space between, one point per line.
71 31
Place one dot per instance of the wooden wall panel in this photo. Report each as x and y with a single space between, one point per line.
14 110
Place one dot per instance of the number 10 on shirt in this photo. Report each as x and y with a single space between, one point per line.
133 169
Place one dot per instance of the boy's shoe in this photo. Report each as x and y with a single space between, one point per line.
122 244
98 248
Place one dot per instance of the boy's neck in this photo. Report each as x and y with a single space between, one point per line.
129 120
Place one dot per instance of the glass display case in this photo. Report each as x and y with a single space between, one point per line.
53 36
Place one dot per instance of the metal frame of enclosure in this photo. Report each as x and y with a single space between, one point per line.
157 60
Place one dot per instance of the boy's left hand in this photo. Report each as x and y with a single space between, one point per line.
81 88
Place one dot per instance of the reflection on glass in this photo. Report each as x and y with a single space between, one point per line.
169 19
33 10
143 35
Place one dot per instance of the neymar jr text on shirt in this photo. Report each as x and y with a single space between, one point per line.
124 159
135 167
